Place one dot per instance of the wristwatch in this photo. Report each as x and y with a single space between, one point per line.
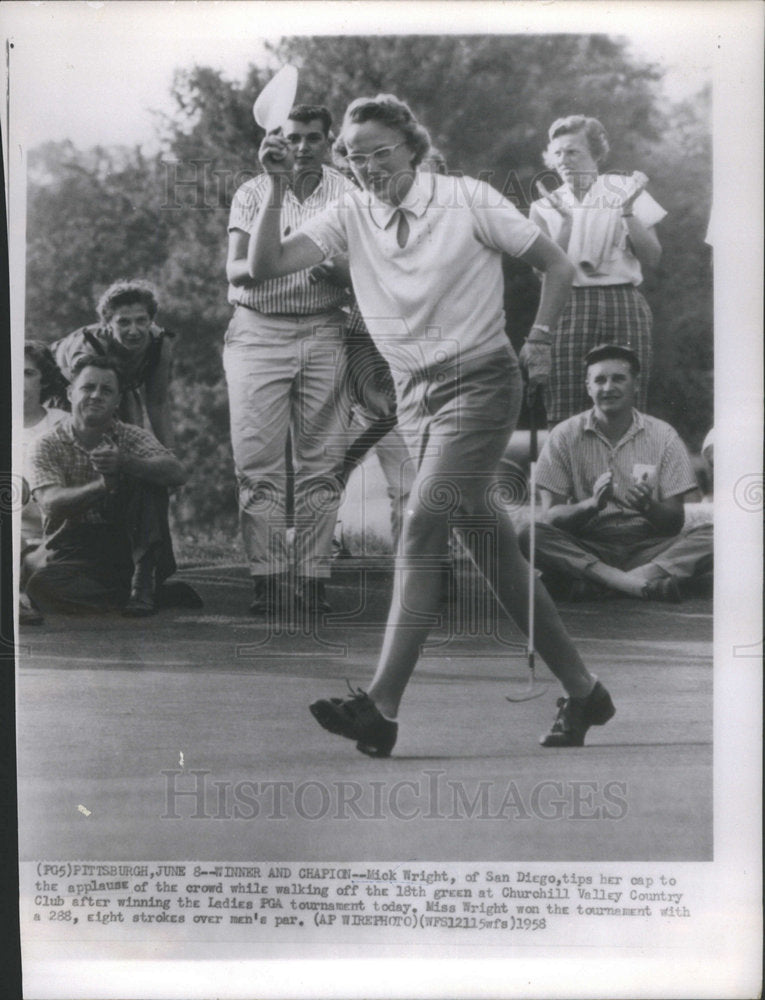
543 328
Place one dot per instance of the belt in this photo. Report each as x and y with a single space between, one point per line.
624 284
292 316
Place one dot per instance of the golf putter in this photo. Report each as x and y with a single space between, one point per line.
276 99
532 689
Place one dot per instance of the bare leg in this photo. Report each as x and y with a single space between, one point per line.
416 597
398 470
507 571
594 560
414 606
617 579
454 483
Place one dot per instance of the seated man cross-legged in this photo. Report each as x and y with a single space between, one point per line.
611 481
102 487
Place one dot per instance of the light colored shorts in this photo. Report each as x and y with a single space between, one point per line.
457 422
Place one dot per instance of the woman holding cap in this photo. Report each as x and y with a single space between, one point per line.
425 259
605 223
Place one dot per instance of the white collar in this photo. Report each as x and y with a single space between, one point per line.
601 191
416 200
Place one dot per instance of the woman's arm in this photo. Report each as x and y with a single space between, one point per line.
643 240
555 202
267 255
557 274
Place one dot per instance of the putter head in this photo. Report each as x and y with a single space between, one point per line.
532 689
527 695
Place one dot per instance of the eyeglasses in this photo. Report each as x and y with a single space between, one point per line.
381 155
295 138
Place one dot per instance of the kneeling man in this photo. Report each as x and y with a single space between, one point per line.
611 482
102 487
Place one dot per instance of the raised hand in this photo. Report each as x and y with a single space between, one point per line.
275 153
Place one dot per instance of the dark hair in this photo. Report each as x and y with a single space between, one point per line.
597 138
106 362
52 382
127 293
338 155
613 352
305 113
390 111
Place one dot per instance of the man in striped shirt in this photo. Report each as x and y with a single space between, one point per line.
612 481
283 360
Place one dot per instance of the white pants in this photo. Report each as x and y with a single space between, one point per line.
284 374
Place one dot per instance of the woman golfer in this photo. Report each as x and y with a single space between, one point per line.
424 253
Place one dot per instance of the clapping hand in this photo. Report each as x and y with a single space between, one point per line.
554 200
640 183
106 459
638 496
603 489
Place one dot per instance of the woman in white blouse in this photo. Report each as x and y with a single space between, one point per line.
605 223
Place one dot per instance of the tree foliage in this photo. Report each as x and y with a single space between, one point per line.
92 217
487 101
680 294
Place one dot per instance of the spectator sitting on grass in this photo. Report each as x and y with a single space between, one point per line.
612 481
102 487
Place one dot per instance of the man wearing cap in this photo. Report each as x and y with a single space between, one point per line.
611 481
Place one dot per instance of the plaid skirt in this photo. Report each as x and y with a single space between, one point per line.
608 314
